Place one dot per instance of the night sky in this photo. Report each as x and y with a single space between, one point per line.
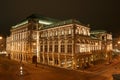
100 14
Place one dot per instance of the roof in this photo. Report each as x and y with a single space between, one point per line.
48 22
60 23
98 31
42 20
37 16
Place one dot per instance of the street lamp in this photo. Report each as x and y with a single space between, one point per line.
1 43
21 66
118 42
1 37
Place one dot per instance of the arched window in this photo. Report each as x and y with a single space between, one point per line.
56 46
84 31
50 47
70 31
62 31
45 46
77 31
62 47
69 46
50 33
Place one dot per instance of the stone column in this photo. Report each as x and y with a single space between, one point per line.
59 51
38 47
73 57
73 46
48 45
65 53
43 52
53 50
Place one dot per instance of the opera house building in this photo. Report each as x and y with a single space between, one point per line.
66 43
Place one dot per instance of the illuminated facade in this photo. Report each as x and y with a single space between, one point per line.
2 44
106 44
65 44
116 44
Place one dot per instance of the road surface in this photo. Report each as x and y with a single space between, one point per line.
10 70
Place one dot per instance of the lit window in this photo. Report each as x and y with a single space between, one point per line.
62 32
56 33
50 33
84 31
76 31
70 31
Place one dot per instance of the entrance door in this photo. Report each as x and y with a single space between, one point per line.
34 59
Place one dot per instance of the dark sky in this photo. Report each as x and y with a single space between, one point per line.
100 14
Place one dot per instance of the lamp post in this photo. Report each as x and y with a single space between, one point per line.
21 67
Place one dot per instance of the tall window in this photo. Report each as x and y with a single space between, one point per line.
62 32
45 48
41 48
77 31
69 48
50 48
56 48
56 33
62 48
70 31
50 33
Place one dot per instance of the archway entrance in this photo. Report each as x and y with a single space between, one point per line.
34 59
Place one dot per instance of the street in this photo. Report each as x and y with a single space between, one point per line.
10 70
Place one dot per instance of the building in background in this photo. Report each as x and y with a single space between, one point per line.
106 44
67 43
116 45
2 44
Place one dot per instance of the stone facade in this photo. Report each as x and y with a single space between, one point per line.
67 44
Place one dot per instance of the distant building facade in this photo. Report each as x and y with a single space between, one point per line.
67 44
106 43
116 43
2 43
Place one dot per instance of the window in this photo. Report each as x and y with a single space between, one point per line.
56 48
41 48
84 32
77 31
50 48
70 31
62 32
62 48
56 33
45 48
69 48
50 33
45 34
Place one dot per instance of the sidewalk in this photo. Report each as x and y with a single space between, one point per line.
103 66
